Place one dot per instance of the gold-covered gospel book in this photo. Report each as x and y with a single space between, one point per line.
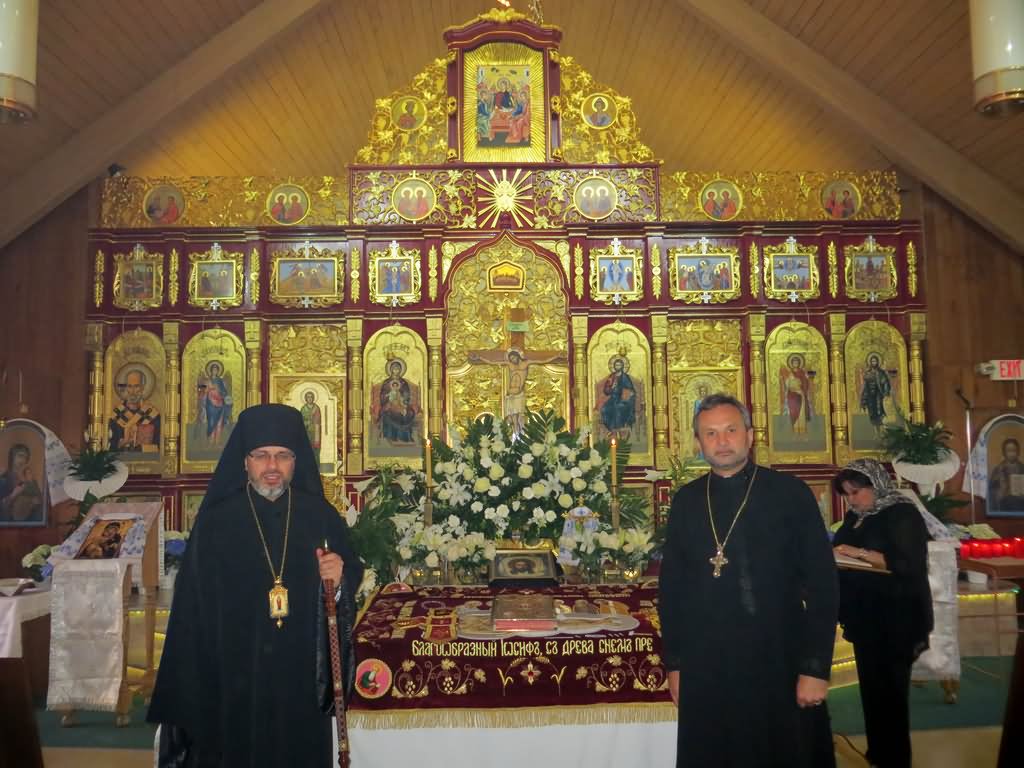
524 612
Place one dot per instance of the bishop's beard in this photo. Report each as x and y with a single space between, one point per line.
270 492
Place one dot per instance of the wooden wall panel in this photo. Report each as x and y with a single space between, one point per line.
974 288
42 295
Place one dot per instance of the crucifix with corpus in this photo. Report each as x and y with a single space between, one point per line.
517 360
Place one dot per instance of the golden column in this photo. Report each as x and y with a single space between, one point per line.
253 362
94 343
758 385
435 328
580 334
355 395
918 331
172 398
659 336
837 369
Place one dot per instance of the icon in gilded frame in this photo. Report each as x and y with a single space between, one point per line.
163 204
307 277
616 274
394 275
877 383
138 280
287 204
504 117
213 394
791 271
134 384
190 503
506 277
395 372
595 197
408 113
799 424
320 401
840 199
721 200
870 271
704 273
1005 483
25 497
599 111
216 279
414 199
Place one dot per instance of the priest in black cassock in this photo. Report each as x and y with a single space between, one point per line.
748 602
245 675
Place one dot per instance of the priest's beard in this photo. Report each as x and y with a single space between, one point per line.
269 492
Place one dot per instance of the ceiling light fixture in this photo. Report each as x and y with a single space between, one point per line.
19 32
997 53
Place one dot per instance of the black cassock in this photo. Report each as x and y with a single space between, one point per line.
741 640
244 692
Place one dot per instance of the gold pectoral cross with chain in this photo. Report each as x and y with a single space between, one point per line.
718 561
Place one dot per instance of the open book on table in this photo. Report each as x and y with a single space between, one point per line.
852 563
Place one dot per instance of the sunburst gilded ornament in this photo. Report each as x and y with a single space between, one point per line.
505 195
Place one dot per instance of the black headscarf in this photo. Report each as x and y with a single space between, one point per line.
259 426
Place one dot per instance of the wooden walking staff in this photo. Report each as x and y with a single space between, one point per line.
336 675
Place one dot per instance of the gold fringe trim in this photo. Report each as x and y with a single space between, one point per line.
524 717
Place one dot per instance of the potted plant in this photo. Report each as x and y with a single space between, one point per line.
920 454
92 475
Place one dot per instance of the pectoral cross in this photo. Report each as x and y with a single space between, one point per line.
718 561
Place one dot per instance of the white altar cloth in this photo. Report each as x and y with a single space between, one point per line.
14 611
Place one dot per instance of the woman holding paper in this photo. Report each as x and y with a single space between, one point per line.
887 614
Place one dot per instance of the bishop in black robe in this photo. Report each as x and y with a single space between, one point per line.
233 688
741 640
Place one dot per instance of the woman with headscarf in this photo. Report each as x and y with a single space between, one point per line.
887 617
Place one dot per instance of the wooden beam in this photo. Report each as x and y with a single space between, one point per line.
85 156
975 191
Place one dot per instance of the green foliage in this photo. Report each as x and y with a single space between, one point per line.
93 463
943 505
915 443
374 536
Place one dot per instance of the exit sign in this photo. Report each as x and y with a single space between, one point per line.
1003 370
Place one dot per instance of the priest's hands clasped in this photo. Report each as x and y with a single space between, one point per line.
810 691
331 566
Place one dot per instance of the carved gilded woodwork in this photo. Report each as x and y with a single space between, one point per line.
400 136
449 250
172 278
581 395
635 193
704 272
791 271
97 279
756 329
308 348
254 276
216 278
799 417
138 280
134 406
486 323
918 332
455 189
659 369
394 275
221 201
912 270
355 258
617 274
578 269
502 194
703 357
213 383
833 270
253 359
782 195
435 378
395 383
307 276
612 138
172 390
432 273
837 367
870 273
877 383
621 397
97 419
561 249
354 338
755 270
